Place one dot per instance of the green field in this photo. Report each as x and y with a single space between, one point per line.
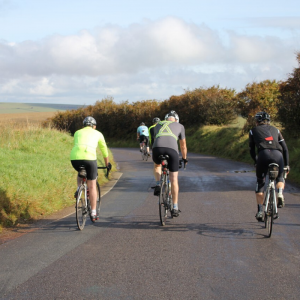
12 108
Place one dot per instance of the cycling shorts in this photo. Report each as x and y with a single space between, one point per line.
90 166
173 161
144 138
266 157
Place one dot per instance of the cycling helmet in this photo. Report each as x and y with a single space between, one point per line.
89 121
172 113
142 124
155 120
262 116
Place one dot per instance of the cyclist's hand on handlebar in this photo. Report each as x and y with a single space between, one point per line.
185 160
109 166
287 168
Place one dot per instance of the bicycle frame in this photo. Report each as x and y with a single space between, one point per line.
270 208
83 206
270 189
165 197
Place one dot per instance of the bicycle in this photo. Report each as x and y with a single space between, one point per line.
270 202
144 151
165 197
83 206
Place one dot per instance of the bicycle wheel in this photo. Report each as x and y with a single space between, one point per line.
266 213
170 200
81 209
145 154
270 212
142 153
163 207
98 204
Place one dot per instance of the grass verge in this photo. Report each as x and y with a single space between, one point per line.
37 177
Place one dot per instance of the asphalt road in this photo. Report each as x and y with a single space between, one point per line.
214 250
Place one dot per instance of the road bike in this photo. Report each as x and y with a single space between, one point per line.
83 206
144 151
165 201
270 202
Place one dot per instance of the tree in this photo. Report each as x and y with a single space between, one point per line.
261 96
289 106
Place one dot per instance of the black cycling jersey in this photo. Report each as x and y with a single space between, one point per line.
271 149
265 136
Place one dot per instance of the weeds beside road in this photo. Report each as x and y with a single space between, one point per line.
36 178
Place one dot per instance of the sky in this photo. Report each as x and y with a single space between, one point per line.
82 51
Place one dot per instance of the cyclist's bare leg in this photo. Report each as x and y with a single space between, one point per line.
92 192
280 185
174 186
157 172
260 198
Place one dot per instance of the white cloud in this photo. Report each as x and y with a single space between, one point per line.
42 87
289 23
152 59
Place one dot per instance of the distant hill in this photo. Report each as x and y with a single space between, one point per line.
8 108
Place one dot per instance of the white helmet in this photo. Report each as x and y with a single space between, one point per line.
172 113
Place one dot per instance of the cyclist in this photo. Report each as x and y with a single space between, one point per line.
83 153
166 135
143 135
151 130
271 148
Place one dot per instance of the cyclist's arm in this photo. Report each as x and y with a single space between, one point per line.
252 147
285 150
183 148
138 133
103 148
151 131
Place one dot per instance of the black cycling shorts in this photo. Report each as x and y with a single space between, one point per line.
90 166
173 161
144 138
266 157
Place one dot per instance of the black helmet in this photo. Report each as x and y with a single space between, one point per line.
142 124
262 116
89 121
172 113
155 120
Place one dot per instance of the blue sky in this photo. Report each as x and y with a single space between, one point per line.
83 51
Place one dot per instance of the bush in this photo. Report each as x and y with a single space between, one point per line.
289 106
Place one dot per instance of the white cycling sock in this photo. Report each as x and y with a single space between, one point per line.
175 206
94 212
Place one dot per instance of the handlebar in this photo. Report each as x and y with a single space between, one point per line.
107 170
184 163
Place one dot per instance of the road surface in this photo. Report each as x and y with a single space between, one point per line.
214 250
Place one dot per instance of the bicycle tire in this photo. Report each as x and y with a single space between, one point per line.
270 214
98 204
81 209
146 154
162 202
170 200
142 153
266 213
